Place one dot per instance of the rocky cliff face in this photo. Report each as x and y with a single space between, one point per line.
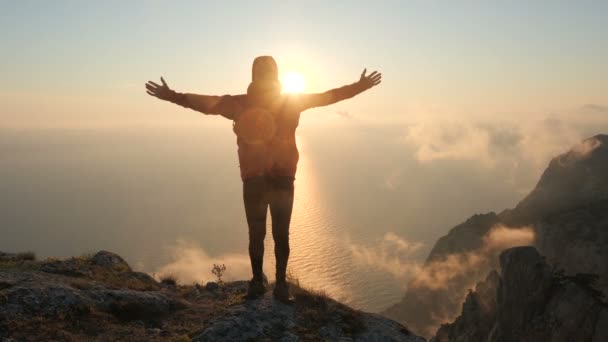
530 301
568 214
577 240
100 298
571 180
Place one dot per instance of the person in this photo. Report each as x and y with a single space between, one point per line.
265 122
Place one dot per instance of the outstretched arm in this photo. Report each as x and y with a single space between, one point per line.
225 105
346 92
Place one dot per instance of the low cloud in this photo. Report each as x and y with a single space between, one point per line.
496 145
441 285
191 263
397 256
392 254
593 108
450 141
394 179
469 267
583 149
502 237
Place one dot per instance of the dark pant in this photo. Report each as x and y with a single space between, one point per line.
259 193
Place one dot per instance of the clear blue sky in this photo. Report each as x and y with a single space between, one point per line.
68 58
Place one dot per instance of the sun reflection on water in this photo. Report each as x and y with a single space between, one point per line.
317 257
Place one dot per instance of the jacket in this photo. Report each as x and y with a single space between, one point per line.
266 136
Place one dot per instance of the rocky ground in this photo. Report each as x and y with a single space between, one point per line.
100 298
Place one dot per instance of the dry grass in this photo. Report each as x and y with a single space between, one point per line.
123 322
29 256
23 260
314 309
25 265
119 280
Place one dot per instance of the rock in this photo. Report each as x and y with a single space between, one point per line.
572 179
146 281
102 298
153 331
478 314
45 300
533 303
378 328
267 319
109 259
601 327
70 267
577 240
212 286
129 305
289 337
45 294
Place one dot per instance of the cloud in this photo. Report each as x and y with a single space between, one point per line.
396 256
583 149
502 237
452 275
494 145
394 179
441 285
471 265
449 141
592 108
392 254
191 264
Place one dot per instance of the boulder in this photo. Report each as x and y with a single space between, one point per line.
109 259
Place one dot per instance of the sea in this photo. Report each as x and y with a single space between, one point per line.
168 198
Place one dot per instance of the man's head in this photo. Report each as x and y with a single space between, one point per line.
265 85
264 69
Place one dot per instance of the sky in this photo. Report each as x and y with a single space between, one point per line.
476 98
74 63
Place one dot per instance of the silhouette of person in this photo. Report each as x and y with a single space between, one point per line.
265 122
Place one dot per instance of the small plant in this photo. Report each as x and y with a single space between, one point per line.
168 279
218 271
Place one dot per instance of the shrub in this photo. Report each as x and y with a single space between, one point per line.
218 271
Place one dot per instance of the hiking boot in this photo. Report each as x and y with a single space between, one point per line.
256 289
281 293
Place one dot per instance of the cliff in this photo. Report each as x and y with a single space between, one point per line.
100 298
530 301
566 216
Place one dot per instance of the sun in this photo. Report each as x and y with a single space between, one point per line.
293 82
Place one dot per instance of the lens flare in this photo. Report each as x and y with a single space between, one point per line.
293 82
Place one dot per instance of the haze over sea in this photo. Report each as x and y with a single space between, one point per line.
370 199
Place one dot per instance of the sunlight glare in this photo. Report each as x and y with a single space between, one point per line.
293 82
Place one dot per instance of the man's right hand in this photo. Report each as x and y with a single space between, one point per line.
162 92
